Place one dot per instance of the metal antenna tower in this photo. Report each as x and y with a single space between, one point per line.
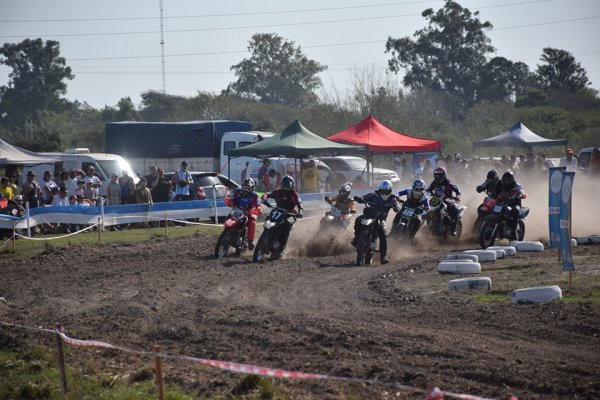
162 48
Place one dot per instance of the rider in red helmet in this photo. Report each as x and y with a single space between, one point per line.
443 187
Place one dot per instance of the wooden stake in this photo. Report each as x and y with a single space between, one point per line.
570 280
99 230
159 382
61 362
166 223
14 239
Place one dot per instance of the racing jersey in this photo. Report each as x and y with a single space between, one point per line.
444 188
347 204
382 206
422 202
286 199
249 202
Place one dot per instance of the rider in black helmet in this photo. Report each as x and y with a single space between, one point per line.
511 193
491 185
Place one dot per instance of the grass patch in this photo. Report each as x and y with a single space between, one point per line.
592 297
494 297
29 248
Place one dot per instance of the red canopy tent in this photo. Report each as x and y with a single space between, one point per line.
378 138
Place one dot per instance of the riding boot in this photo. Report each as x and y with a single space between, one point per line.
453 227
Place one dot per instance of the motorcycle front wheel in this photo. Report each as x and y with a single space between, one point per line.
222 247
362 245
520 230
458 228
487 236
261 247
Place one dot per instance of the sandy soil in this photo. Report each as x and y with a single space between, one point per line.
314 311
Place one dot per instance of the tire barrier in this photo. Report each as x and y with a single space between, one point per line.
458 257
592 239
509 250
500 253
483 255
573 242
529 245
479 283
459 267
540 294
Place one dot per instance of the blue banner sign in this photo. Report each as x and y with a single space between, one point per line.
555 175
565 216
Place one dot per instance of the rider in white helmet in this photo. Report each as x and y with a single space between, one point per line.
383 200
415 198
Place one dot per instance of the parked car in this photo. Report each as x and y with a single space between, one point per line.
207 183
347 168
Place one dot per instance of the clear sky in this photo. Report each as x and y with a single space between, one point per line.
114 46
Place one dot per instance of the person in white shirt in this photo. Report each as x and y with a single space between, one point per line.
569 161
61 198
182 180
96 182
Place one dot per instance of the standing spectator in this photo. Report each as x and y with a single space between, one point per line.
595 163
127 188
162 190
113 191
310 178
90 192
80 188
272 180
71 182
142 193
96 182
62 179
182 181
568 161
152 178
6 190
13 182
263 171
244 173
47 186
31 190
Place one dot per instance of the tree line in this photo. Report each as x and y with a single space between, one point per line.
453 89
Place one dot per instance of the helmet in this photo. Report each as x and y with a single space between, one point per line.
248 185
344 191
385 189
287 183
508 179
492 175
439 174
418 188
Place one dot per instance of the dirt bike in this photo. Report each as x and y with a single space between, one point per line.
234 234
437 219
404 219
337 218
484 209
268 243
496 225
366 240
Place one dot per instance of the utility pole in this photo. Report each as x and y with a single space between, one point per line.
162 48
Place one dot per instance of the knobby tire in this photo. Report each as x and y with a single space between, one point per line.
222 247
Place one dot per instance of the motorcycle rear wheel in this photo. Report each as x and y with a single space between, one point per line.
222 247
520 230
261 247
361 247
487 236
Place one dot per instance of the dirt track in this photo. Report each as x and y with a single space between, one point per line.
394 324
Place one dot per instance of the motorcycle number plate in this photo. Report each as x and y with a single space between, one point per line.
408 212
237 213
276 215
335 212
498 209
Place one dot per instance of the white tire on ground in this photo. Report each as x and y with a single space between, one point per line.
528 245
509 250
461 257
483 255
478 283
593 239
459 267
500 253
540 294
573 242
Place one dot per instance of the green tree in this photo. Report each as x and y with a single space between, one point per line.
35 84
559 70
503 80
276 72
447 55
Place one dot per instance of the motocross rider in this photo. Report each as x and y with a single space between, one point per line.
510 194
491 185
442 186
287 198
343 199
382 200
415 198
247 199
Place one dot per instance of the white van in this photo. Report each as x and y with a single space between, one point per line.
234 140
348 168
105 165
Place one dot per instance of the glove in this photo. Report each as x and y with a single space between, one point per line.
479 189
457 198
300 215
358 199
327 199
